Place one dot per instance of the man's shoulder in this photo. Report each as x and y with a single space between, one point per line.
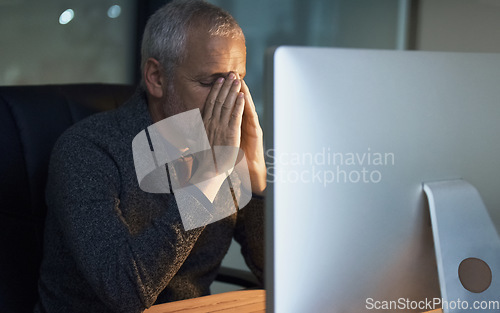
103 136
88 147
94 140
110 128
99 129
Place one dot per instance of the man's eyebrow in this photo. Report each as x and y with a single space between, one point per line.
216 75
213 75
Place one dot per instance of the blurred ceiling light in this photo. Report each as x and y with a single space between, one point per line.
66 16
114 11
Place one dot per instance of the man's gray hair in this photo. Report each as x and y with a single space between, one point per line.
166 31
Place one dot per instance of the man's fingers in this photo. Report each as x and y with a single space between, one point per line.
250 113
223 94
229 103
223 116
237 113
211 100
249 104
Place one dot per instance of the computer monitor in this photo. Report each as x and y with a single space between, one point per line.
351 137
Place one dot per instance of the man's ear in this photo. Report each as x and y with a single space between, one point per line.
153 77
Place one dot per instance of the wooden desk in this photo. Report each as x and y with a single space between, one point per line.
245 301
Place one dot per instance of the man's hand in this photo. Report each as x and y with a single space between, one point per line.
222 116
231 120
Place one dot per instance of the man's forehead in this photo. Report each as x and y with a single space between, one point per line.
212 55
217 46
223 62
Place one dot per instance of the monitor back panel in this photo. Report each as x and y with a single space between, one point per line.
355 133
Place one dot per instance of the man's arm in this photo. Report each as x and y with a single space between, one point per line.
126 268
249 233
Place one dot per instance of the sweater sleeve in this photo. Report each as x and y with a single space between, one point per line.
126 269
249 233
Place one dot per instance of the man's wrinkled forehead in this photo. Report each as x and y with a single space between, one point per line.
215 53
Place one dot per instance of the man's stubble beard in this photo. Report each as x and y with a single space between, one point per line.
172 103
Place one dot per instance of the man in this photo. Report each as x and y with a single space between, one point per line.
110 246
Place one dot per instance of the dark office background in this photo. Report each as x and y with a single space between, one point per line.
56 41
100 41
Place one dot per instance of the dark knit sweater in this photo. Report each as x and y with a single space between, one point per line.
111 247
